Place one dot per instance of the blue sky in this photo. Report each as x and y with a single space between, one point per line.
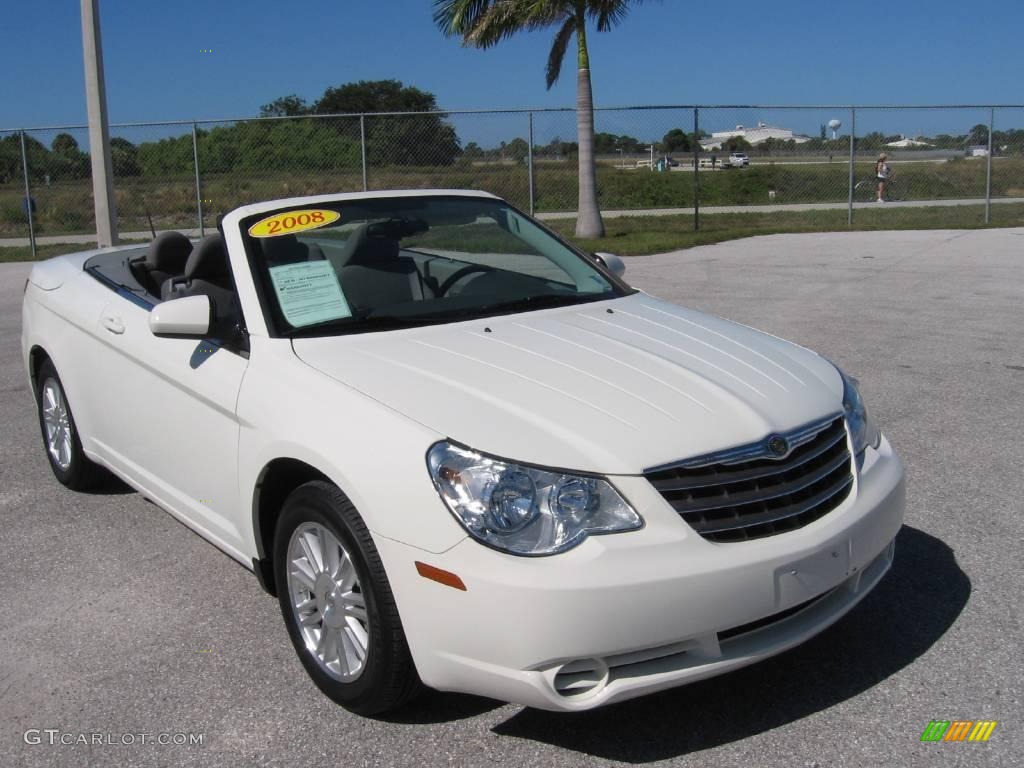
674 51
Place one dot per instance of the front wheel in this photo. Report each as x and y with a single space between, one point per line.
337 603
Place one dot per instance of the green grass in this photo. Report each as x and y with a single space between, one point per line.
640 235
24 253
65 207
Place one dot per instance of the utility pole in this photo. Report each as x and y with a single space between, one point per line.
99 132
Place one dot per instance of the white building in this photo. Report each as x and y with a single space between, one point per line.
905 143
753 136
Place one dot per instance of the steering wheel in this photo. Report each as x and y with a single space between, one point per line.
458 274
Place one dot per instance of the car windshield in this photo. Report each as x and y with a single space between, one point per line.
384 263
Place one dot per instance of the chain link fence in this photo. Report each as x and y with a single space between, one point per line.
961 166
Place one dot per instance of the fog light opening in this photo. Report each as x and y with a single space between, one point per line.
581 678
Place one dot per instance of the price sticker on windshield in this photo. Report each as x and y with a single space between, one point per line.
291 222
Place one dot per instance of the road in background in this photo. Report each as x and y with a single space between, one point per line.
117 619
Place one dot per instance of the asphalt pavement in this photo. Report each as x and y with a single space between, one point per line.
119 621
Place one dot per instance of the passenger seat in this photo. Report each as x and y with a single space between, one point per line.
377 275
288 249
207 273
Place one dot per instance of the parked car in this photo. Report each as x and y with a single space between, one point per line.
463 453
738 160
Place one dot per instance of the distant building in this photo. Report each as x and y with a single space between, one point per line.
905 143
753 136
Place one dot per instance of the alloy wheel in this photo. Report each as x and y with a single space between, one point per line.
327 601
57 423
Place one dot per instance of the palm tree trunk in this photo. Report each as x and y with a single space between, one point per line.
588 220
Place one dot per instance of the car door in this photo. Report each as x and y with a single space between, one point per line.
171 425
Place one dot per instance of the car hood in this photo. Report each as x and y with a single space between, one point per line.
612 387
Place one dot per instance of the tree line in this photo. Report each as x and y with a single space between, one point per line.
321 142
334 143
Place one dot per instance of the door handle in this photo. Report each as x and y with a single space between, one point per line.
113 324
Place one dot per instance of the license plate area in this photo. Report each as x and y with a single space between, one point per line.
808 577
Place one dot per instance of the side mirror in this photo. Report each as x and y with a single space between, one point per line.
189 317
612 263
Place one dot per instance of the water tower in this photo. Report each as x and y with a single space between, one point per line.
834 125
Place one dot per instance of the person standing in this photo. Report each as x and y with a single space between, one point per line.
882 174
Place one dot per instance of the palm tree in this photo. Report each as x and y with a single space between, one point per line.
484 23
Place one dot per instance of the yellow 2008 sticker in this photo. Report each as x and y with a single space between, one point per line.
291 222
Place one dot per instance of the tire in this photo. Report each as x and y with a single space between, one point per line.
61 442
349 594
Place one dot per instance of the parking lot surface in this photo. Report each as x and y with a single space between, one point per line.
118 620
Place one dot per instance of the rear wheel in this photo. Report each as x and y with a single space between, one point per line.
68 461
337 603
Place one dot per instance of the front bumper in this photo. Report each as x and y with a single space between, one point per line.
628 614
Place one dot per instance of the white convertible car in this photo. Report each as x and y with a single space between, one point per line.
462 453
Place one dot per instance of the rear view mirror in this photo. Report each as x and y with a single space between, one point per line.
186 317
612 263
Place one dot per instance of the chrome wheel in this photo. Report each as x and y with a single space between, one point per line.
327 602
57 423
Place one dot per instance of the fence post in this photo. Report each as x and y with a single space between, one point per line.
696 169
988 166
853 135
529 163
199 189
28 198
362 144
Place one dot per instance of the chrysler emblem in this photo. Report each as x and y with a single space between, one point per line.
778 445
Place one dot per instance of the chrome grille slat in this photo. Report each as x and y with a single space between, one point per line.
771 492
668 486
761 495
818 499
744 453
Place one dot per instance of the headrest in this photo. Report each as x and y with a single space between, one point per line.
168 252
375 251
285 249
209 260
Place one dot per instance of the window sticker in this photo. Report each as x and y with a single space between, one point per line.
308 293
291 222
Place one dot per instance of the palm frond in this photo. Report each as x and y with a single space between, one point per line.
502 19
541 14
558 49
609 13
456 18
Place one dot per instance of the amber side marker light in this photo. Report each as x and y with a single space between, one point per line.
447 578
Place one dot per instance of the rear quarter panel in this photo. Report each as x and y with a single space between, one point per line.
60 314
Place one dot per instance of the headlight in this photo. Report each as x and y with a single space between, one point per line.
525 510
863 432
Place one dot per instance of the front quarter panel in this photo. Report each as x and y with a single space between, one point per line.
374 454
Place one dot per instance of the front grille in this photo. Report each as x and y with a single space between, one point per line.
746 493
